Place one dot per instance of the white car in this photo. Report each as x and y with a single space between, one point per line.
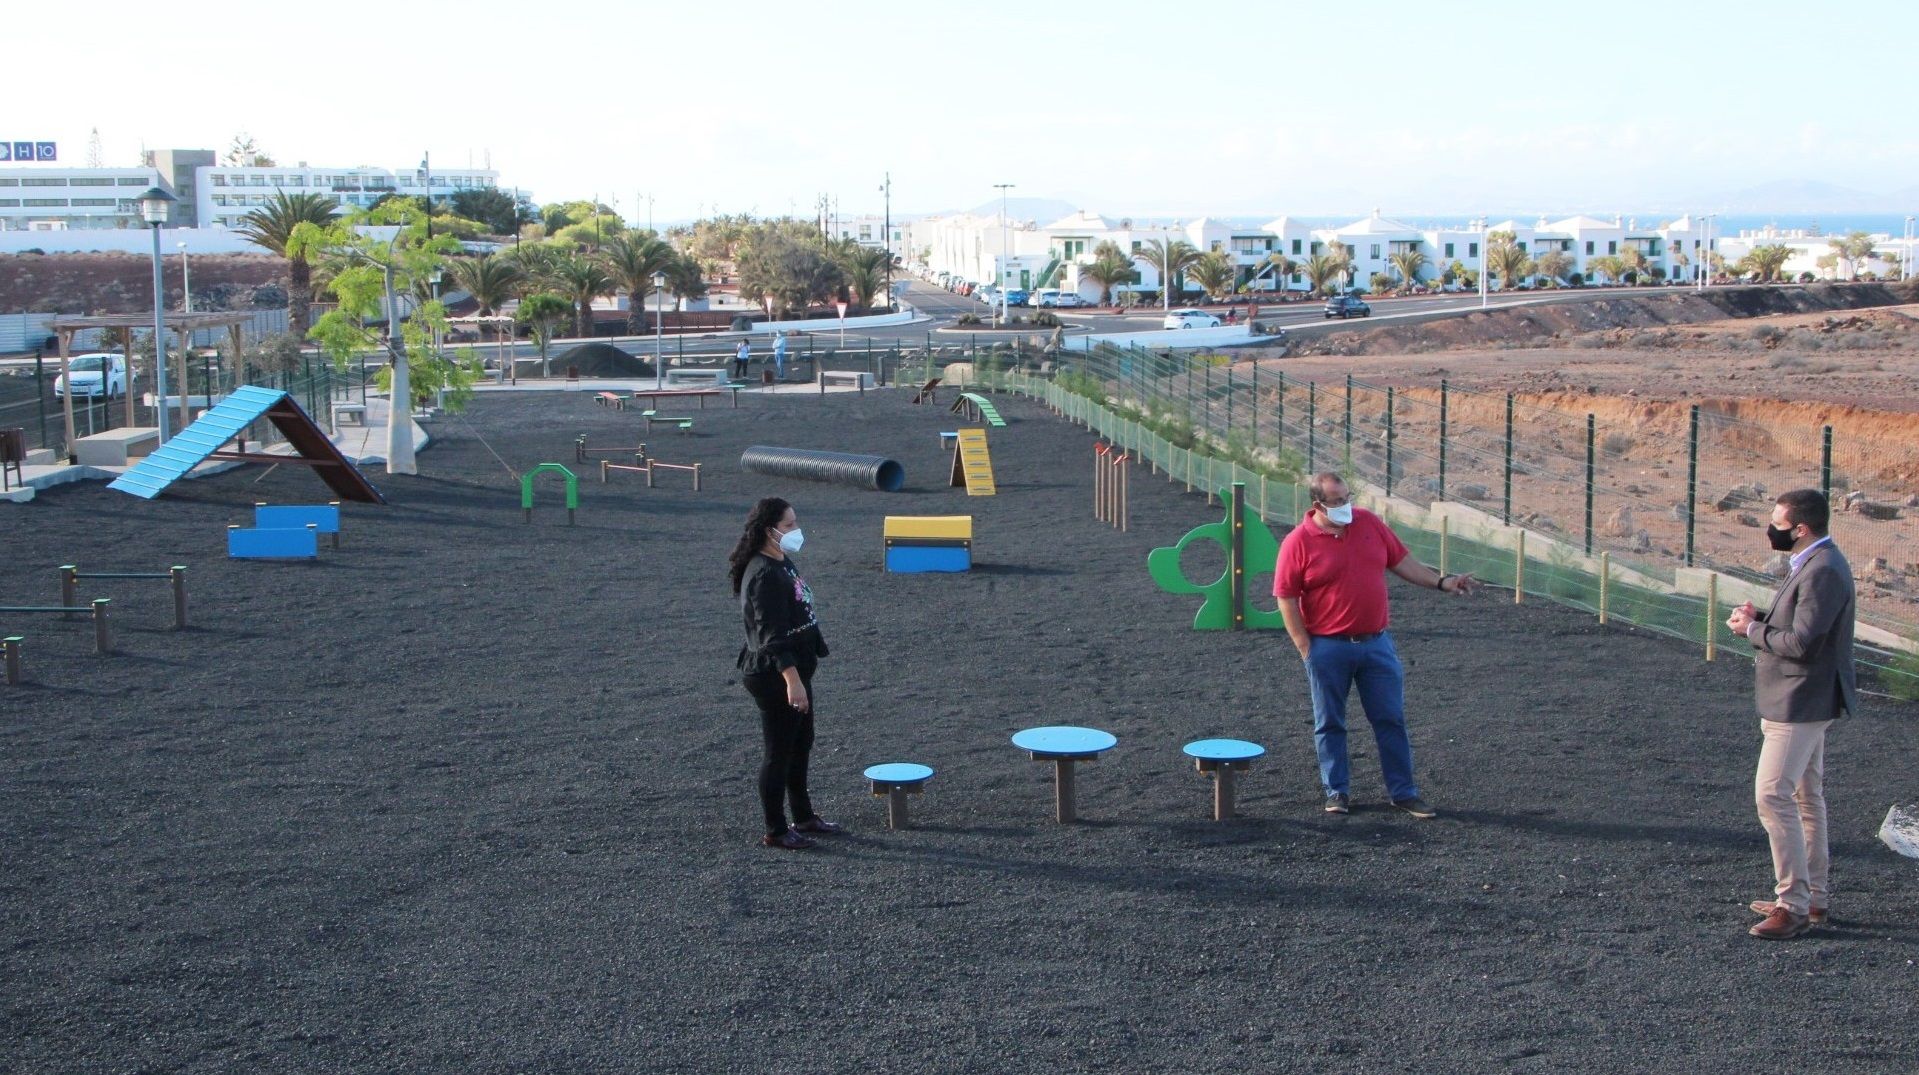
1041 298
1190 319
1069 299
86 372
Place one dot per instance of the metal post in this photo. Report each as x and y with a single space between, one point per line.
1507 517
1236 552
69 588
1519 569
1712 615
159 345
1444 396
1825 461
1312 405
1605 583
1062 789
178 574
1389 441
11 645
102 637
40 389
1348 459
1692 478
1445 533
1589 484
1255 405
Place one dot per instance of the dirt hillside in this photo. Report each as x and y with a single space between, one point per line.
116 283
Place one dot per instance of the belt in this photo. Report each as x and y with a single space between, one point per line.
1353 638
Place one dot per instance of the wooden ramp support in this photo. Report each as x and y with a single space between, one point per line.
102 633
972 463
10 645
928 543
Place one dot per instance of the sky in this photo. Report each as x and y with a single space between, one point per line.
1251 108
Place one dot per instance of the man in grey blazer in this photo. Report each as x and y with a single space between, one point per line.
1802 682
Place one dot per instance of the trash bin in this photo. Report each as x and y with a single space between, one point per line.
13 452
766 376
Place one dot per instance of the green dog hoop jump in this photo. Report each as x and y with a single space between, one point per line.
572 490
1247 541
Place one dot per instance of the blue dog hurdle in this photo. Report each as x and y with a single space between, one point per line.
325 518
276 544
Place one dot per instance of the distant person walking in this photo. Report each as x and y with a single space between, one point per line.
783 647
779 356
1331 583
740 359
1803 680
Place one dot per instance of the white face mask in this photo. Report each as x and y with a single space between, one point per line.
1339 516
792 540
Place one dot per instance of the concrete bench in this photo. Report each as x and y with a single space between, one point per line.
714 377
856 378
343 411
115 447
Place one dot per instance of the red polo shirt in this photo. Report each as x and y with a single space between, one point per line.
1339 579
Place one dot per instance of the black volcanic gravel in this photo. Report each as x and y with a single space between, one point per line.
469 795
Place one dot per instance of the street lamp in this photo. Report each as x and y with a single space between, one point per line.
434 276
659 354
155 205
186 279
1005 255
1905 263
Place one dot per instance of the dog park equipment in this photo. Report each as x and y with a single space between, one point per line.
1065 746
229 419
278 543
1900 831
646 466
975 407
572 489
581 451
1246 541
70 576
682 422
102 634
1223 760
714 377
859 379
654 398
926 392
972 463
928 543
1110 467
10 648
324 518
867 471
610 399
894 781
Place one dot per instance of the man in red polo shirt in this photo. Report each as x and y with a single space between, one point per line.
1331 585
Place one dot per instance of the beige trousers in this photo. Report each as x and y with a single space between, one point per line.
1790 792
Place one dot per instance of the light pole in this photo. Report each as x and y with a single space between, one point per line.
434 276
186 280
886 188
659 355
1905 262
1005 253
1485 244
155 205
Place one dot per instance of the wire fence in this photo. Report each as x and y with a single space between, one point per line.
1644 516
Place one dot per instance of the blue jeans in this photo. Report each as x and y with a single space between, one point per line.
1333 667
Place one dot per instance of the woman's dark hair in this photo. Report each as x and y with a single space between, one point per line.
765 516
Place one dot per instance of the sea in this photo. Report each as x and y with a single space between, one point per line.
1729 224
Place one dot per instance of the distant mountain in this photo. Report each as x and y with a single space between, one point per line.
1804 196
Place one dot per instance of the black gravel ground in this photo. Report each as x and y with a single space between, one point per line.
469 795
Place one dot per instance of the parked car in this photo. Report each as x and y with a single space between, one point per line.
1016 297
1071 299
1043 297
86 372
1343 306
1190 319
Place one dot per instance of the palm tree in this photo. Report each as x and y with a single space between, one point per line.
543 314
1109 268
491 280
1506 259
1408 263
1854 248
1765 261
1169 258
632 260
1216 274
273 227
584 279
1321 270
865 274
1341 256
1606 265
540 262
1283 268
684 277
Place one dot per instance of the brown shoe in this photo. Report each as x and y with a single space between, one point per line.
821 826
1818 917
1781 925
786 841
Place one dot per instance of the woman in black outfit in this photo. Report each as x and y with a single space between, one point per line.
783 647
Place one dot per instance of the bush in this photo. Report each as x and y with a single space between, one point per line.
1575 280
1616 444
967 319
1045 319
741 323
1766 333
1807 278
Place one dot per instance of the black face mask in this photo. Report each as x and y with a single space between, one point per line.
1781 540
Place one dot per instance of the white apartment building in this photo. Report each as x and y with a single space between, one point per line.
48 198
868 231
227 193
1809 249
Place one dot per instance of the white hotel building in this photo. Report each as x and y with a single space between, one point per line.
1026 254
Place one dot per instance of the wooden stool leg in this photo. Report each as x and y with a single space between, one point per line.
1222 793
1063 790
12 648
896 808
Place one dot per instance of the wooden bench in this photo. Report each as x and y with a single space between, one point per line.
684 423
610 399
700 394
858 378
115 447
714 377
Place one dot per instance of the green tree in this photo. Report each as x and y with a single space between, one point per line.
1507 260
492 280
1764 262
1283 268
1109 268
865 271
1554 266
1341 257
1606 265
245 153
1853 248
276 227
540 262
492 207
795 272
543 314
1215 273
1169 258
584 278
1321 270
632 260
685 279
1408 263
1634 266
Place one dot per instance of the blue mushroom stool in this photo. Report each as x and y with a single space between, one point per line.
1221 759
894 781
1064 746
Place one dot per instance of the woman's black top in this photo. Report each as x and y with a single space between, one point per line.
781 630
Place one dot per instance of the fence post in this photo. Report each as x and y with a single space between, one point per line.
1692 478
1712 615
1507 516
1348 458
1389 441
1443 396
1279 415
1589 484
1312 423
1445 532
1825 461
1519 569
1229 401
1255 405
40 392
1605 583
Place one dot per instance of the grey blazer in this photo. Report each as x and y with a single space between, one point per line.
1803 671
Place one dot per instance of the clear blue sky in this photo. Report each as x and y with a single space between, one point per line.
1145 108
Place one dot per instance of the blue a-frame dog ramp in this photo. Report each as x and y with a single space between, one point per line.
228 419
